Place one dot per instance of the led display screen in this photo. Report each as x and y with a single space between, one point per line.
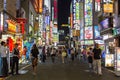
104 24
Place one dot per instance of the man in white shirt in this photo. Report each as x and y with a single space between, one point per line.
3 53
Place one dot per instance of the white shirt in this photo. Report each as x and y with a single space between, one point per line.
3 51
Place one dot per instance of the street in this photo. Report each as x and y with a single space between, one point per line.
76 70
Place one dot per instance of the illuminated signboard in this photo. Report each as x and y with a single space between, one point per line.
81 15
117 59
71 20
108 9
104 24
97 5
81 34
55 37
81 10
88 13
88 33
77 11
97 32
74 11
88 42
47 20
108 1
55 9
109 60
1 21
38 5
11 26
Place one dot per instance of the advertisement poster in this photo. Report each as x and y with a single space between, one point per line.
117 59
88 33
109 60
97 33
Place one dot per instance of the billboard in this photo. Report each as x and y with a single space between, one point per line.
89 32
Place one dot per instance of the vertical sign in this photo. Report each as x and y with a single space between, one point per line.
88 13
55 9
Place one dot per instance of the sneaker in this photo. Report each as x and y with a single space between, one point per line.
34 73
100 74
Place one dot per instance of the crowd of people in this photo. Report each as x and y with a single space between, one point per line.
40 53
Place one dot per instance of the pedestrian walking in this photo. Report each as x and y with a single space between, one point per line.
79 52
64 54
24 54
69 53
97 59
40 54
53 53
72 54
3 55
84 53
15 60
90 59
48 51
43 54
34 57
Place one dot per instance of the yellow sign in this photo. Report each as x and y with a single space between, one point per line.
108 8
65 25
11 26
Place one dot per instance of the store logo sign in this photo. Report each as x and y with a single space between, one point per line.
118 31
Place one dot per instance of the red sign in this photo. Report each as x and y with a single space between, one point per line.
55 9
22 22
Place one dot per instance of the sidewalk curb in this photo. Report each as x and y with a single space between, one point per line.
19 69
108 70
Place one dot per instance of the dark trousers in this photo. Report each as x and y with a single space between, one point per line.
43 58
53 58
15 63
5 66
72 57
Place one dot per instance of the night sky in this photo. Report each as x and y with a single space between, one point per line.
63 13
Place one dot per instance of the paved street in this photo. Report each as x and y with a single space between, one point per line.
69 71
